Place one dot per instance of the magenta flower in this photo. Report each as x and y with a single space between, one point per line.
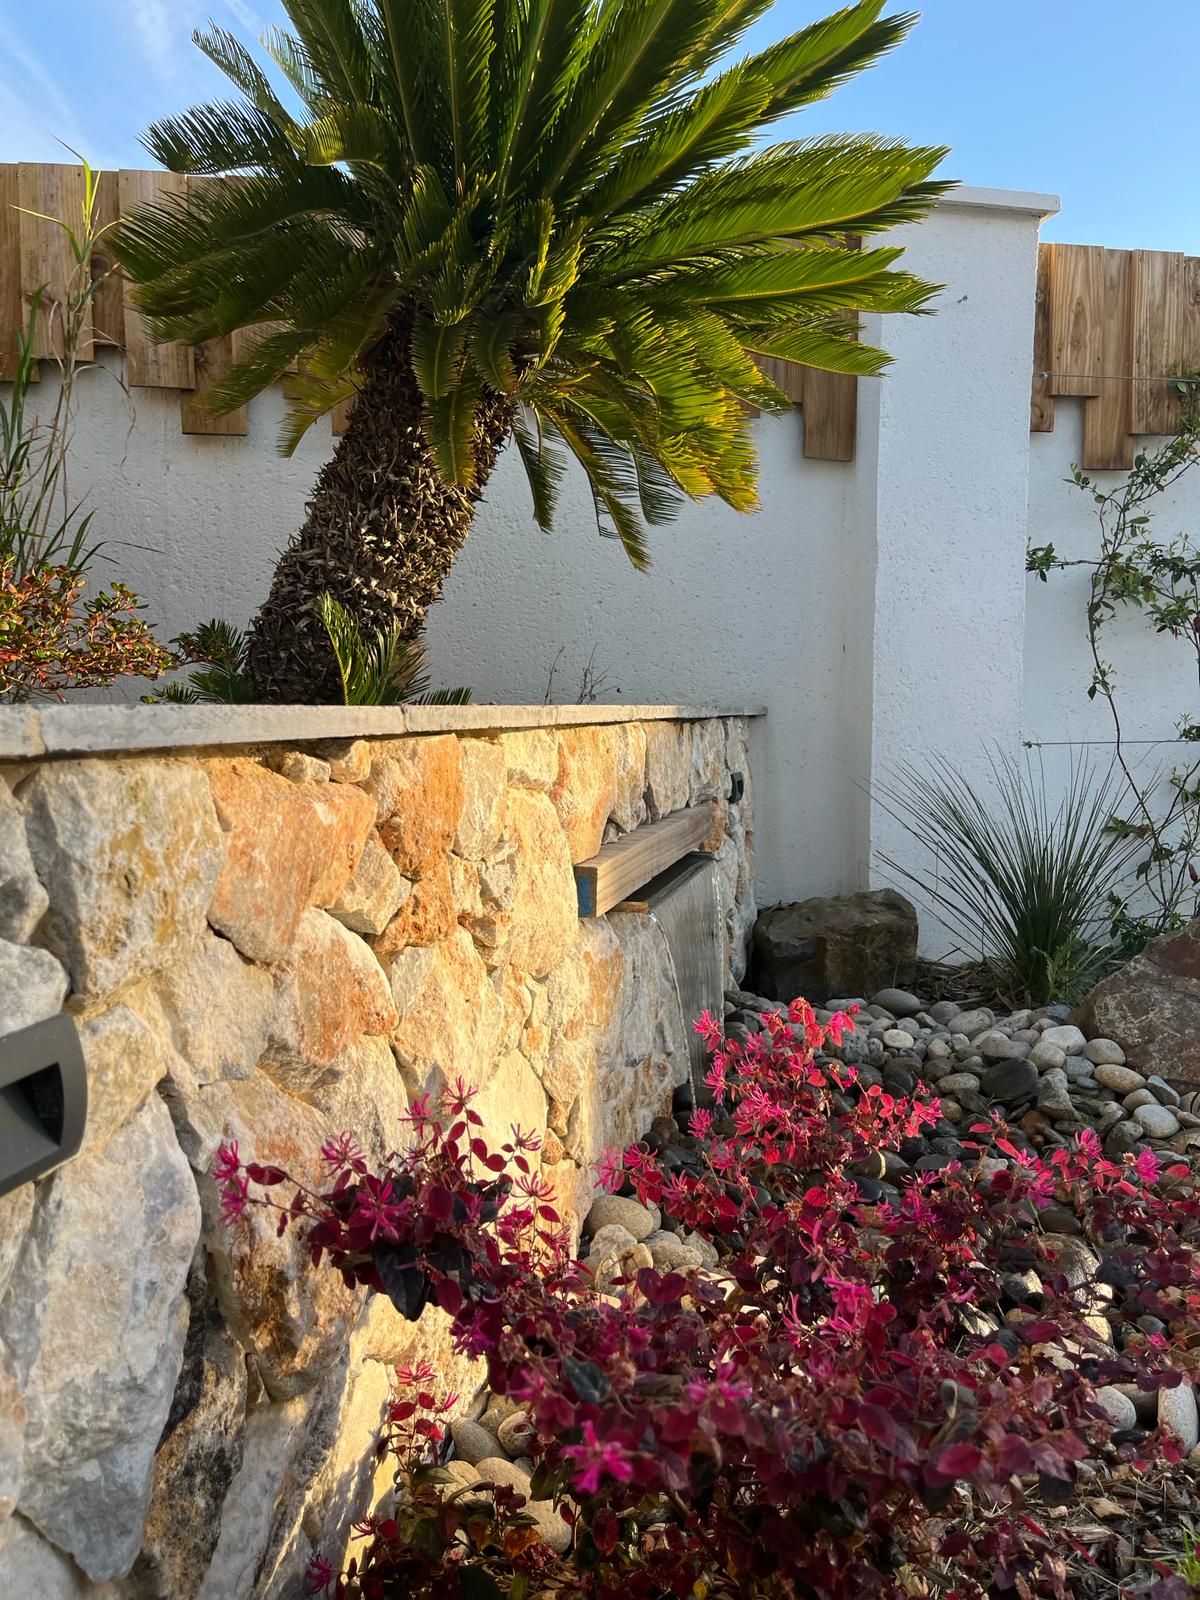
596 1457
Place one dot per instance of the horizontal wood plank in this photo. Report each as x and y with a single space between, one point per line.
610 877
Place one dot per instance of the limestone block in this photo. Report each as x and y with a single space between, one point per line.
217 1007
451 1026
290 846
668 767
418 792
531 758
512 1099
485 798
129 852
294 1318
200 1452
349 760
585 788
629 808
33 986
124 1058
33 1568
374 891
23 900
642 1055
94 1324
16 1213
13 1417
265 1483
365 1094
545 909
330 992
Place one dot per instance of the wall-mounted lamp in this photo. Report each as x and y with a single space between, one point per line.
43 1100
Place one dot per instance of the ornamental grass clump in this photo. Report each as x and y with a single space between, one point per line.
841 1408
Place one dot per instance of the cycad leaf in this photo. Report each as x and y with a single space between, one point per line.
437 351
491 350
335 44
450 424
544 466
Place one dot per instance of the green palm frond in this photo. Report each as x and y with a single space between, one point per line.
563 202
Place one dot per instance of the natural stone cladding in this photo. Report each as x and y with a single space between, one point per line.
275 945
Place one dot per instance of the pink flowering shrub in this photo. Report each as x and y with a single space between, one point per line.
842 1404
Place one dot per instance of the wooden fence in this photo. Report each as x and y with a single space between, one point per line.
34 252
1111 324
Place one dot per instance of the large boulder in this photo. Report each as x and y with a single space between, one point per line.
1151 1007
841 945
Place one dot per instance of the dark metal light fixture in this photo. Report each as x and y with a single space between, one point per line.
43 1100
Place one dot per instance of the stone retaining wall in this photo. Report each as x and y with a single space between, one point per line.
277 944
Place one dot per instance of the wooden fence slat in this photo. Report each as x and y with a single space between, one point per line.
830 415
1077 325
108 301
1108 440
1188 357
211 361
54 189
150 365
1041 414
340 415
12 305
785 375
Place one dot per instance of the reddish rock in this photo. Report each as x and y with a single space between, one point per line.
418 792
289 846
545 907
331 992
844 945
426 917
1151 1007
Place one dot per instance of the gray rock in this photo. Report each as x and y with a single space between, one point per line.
1139 1097
96 1416
670 1254
944 1012
610 1208
956 1082
898 1001
1104 1052
550 1527
515 1434
997 1046
1123 1139
1010 1080
1121 1080
939 1049
1046 1057
1158 1121
33 986
472 1442
835 945
1177 1414
973 1023
611 1239
1053 1094
895 1040
1069 1039
23 900
1163 1091
1121 1410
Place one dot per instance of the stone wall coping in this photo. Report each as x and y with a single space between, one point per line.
77 730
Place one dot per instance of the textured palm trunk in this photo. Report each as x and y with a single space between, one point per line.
381 532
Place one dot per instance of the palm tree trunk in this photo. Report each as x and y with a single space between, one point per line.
381 532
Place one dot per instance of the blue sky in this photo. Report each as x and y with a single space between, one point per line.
1089 99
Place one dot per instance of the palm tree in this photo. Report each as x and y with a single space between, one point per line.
543 219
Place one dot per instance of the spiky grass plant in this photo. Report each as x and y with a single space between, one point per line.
1019 880
550 220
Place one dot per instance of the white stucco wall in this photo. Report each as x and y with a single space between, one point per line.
880 609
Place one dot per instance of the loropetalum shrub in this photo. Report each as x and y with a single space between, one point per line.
840 1407
53 640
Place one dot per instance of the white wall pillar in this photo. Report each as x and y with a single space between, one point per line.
947 503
